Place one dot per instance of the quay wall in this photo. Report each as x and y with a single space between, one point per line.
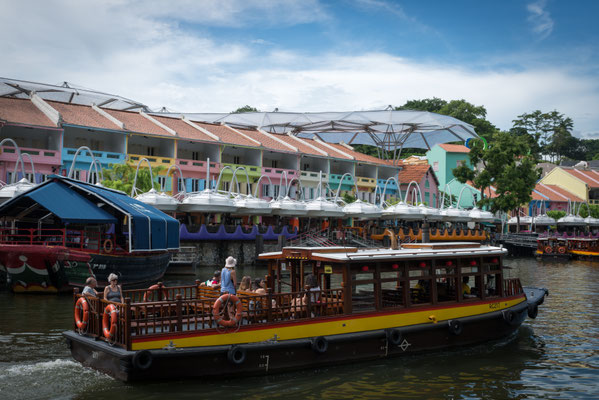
212 254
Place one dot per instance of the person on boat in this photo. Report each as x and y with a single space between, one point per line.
246 283
214 281
113 292
89 289
260 286
465 287
228 277
314 288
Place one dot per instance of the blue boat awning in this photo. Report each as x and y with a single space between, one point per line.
69 205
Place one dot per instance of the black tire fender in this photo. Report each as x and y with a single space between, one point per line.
237 355
142 360
455 327
320 344
394 336
533 311
509 316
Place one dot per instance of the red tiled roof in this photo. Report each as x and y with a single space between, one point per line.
266 141
588 177
183 129
412 172
454 148
80 115
23 111
136 122
555 193
301 146
226 135
332 153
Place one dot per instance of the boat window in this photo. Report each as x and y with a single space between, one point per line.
446 289
363 289
392 285
420 291
492 284
471 287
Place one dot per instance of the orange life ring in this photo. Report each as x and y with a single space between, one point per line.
154 288
548 250
108 246
221 301
109 326
561 250
81 313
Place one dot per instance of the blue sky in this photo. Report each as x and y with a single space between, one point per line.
204 56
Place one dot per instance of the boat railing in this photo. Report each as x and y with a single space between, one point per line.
190 308
97 309
97 242
512 287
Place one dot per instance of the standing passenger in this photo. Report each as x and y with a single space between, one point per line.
228 277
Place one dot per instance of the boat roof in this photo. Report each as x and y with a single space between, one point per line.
417 250
74 201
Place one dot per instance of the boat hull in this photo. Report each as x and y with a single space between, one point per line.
274 355
53 269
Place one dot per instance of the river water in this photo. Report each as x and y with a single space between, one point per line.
555 356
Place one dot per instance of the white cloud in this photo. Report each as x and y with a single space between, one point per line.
539 17
112 48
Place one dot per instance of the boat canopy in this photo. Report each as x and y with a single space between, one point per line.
78 202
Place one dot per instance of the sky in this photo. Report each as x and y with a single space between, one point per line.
510 56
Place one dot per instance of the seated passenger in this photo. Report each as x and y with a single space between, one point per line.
214 281
260 286
465 288
89 290
246 283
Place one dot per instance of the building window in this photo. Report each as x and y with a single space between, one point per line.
426 184
311 193
236 160
195 185
180 185
273 163
195 155
436 166
162 182
150 151
265 190
276 194
226 186
306 166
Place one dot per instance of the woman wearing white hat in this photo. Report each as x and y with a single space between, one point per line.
228 277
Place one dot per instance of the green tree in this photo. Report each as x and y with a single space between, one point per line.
556 214
507 166
245 109
551 131
121 177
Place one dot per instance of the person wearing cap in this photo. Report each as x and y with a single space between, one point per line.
228 277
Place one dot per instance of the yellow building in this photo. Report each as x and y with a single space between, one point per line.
580 182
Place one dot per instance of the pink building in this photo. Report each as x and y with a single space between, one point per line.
426 179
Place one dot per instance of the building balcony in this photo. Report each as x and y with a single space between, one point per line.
103 157
276 174
309 177
154 161
198 166
391 185
366 182
346 184
252 170
39 156
593 201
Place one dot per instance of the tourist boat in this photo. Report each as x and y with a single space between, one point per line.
62 231
552 247
362 305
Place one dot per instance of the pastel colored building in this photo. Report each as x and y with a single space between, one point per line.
425 178
583 184
547 197
443 158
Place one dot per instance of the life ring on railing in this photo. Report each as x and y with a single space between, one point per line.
561 250
81 313
548 250
109 321
222 301
155 288
108 246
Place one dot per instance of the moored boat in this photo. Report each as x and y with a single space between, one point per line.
358 305
62 231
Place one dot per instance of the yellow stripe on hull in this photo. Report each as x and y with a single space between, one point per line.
306 329
584 253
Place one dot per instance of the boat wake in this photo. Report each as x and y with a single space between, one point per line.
60 378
